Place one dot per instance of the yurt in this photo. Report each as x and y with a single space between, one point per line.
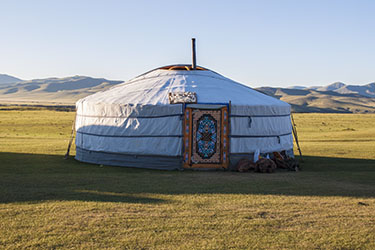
178 117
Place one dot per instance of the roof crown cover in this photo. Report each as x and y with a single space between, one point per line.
153 87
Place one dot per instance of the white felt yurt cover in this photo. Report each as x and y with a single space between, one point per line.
136 117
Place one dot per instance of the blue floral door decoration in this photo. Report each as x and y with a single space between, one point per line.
206 138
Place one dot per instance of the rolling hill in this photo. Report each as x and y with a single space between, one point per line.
311 100
367 90
7 79
54 90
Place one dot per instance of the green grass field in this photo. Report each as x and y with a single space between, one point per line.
50 203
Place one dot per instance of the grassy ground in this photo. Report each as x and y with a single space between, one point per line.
47 202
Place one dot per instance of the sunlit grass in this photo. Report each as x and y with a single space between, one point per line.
47 202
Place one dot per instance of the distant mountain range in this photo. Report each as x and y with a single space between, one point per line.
53 90
367 90
334 98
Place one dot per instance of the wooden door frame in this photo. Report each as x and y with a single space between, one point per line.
188 139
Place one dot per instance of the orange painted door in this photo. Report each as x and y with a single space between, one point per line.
206 141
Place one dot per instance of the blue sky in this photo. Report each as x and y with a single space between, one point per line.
259 43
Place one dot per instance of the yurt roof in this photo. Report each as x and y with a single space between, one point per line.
153 87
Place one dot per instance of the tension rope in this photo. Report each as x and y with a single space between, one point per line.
71 138
294 130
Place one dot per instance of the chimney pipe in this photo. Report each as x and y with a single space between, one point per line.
194 64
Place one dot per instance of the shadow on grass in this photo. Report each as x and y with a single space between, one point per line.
35 178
